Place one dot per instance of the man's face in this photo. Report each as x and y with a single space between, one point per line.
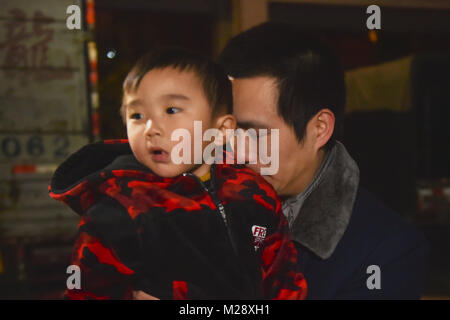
166 99
255 106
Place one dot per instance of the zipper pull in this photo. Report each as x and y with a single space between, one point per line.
222 212
197 179
212 194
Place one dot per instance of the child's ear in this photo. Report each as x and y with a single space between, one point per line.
225 122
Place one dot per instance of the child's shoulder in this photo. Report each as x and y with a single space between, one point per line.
242 172
241 176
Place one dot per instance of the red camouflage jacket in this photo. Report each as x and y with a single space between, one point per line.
175 238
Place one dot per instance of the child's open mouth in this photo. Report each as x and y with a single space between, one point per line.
159 155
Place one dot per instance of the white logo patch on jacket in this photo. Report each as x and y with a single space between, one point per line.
259 234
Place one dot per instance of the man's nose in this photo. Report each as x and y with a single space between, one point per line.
152 128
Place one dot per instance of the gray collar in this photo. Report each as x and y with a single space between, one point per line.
323 210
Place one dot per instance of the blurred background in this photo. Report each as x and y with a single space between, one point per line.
61 88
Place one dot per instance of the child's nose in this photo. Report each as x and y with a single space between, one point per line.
152 128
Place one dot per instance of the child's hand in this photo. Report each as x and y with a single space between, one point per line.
141 295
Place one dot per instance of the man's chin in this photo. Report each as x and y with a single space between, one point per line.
271 180
255 168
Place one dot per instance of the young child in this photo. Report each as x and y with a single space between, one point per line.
175 231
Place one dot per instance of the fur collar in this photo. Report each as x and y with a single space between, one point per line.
326 212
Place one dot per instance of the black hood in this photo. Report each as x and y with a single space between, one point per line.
77 177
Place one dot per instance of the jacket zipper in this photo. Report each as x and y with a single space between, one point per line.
220 208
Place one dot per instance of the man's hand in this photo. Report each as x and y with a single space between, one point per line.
141 295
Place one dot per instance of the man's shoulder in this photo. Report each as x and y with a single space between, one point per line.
375 236
369 211
375 225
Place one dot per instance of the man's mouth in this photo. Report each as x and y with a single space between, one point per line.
159 154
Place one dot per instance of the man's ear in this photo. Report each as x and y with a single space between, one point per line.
323 126
225 122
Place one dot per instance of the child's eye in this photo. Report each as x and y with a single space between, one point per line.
172 110
136 116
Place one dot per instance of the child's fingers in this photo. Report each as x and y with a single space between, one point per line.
141 295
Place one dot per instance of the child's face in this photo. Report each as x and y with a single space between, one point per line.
170 99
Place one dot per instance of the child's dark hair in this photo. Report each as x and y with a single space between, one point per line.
215 83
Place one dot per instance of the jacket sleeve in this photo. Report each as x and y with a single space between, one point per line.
107 252
281 280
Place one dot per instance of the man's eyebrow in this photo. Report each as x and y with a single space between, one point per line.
252 124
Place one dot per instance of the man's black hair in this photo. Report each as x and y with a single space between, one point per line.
214 80
308 74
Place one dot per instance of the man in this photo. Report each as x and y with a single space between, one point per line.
350 245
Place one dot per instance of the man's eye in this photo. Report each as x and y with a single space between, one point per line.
262 132
172 110
136 116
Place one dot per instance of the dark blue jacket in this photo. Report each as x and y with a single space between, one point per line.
347 239
375 235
